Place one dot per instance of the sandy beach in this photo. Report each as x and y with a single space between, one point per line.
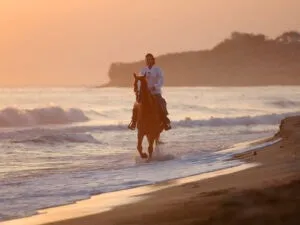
265 194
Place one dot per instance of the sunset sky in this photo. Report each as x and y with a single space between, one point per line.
72 42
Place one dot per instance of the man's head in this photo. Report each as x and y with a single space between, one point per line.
150 60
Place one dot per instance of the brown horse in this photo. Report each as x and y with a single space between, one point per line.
149 121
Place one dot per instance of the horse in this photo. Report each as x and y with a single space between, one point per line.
149 120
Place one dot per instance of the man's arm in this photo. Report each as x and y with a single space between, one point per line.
160 79
142 72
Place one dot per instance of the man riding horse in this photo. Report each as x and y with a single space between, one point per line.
155 81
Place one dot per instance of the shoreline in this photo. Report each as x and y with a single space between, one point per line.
143 189
150 188
104 202
174 190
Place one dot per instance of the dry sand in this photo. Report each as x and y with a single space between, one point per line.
265 194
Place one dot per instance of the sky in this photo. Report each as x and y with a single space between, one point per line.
73 42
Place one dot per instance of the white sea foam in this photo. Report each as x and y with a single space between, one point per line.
14 117
73 133
266 119
286 103
60 138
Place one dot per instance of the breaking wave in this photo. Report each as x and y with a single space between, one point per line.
80 133
285 103
267 119
14 117
61 138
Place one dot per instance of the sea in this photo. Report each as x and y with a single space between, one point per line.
61 145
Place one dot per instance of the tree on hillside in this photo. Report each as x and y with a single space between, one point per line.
241 40
289 37
247 37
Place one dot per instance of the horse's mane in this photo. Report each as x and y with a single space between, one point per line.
135 86
146 97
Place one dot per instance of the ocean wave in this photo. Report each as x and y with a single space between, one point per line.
94 112
61 138
285 103
46 134
14 117
267 119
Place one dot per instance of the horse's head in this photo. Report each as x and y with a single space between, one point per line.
142 79
145 96
143 84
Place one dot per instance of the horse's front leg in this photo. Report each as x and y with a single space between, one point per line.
151 140
140 145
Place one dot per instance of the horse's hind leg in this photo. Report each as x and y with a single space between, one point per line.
158 140
140 145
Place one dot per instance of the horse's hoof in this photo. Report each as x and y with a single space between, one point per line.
148 160
160 142
144 155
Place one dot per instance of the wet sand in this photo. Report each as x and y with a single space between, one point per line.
268 193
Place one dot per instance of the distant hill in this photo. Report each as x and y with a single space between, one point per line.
241 60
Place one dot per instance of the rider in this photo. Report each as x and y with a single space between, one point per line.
155 81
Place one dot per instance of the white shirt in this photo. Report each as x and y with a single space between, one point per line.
154 77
